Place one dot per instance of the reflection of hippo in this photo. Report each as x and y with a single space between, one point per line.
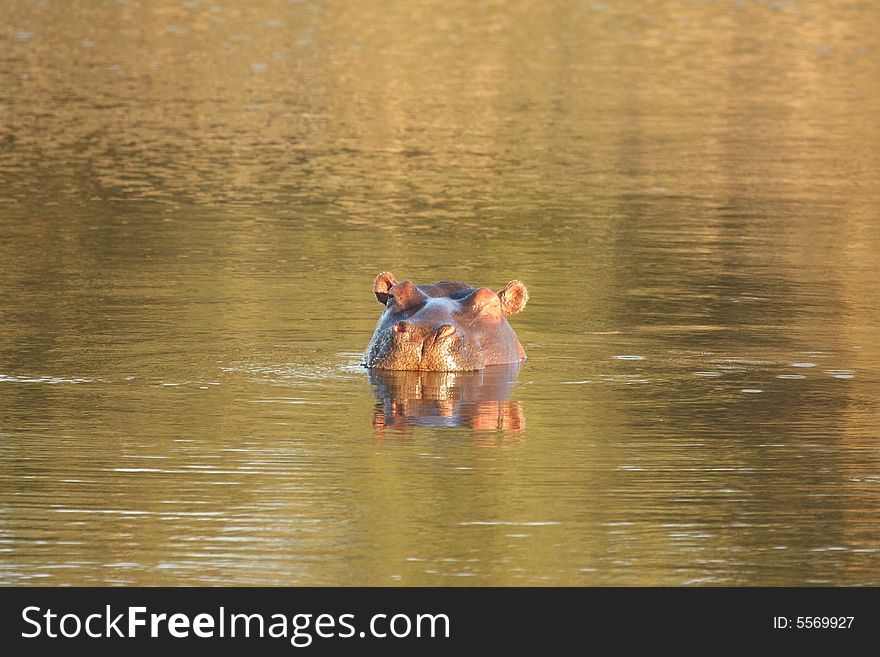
447 399
444 327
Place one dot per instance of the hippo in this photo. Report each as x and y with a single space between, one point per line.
444 327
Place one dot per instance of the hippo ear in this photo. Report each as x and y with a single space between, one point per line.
513 297
384 282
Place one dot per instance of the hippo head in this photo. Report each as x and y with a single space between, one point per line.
444 326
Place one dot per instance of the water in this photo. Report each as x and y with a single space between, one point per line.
197 196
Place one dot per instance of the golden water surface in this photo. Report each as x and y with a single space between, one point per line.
195 198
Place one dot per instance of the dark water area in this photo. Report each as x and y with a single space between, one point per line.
195 198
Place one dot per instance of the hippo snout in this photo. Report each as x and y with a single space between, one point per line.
410 331
446 326
439 340
445 331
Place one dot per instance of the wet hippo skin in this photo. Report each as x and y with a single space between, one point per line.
444 327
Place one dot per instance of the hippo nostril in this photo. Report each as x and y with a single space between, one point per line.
445 331
401 327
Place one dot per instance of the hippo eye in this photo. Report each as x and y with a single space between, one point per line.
390 300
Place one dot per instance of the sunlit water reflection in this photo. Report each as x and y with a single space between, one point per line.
196 198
